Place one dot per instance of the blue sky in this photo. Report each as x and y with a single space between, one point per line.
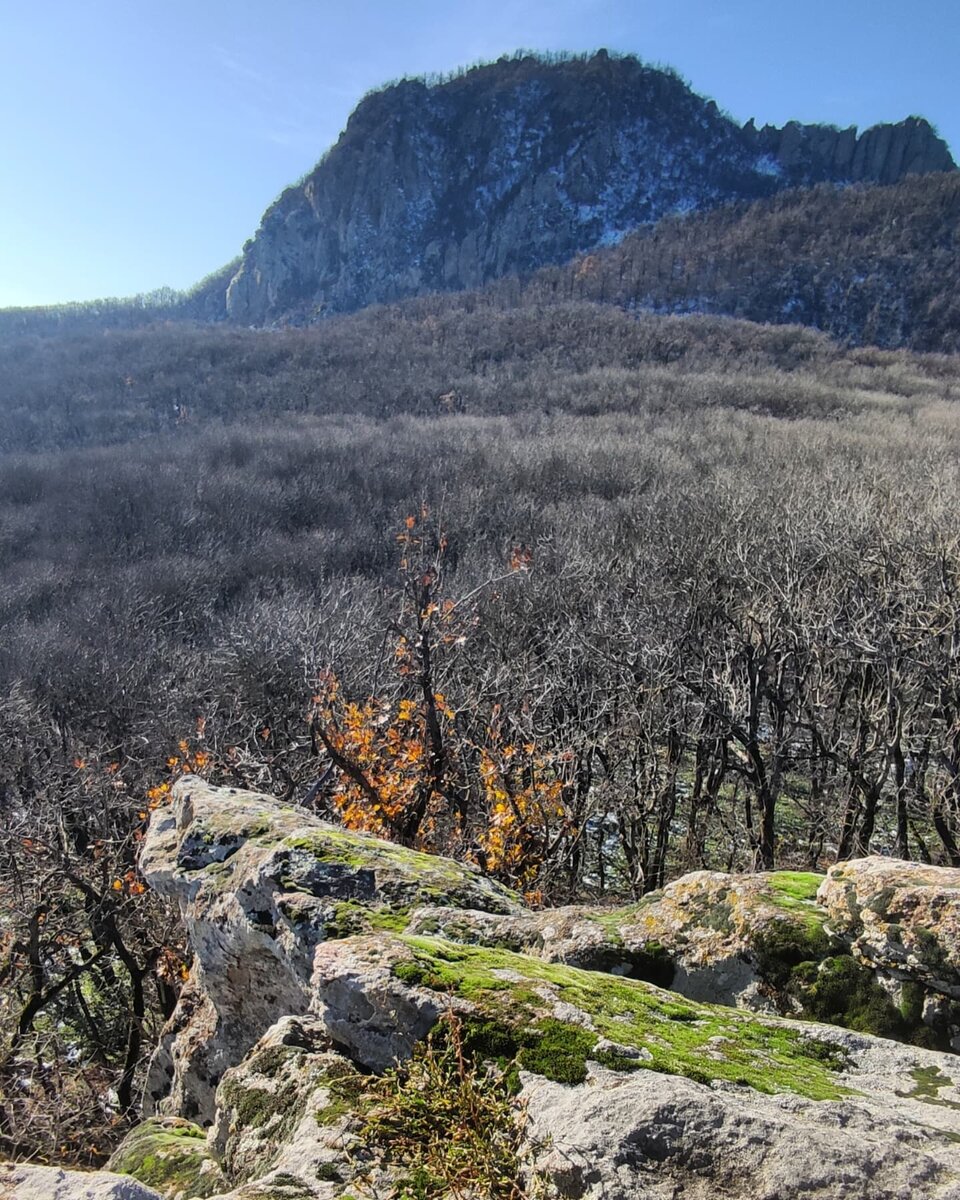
140 140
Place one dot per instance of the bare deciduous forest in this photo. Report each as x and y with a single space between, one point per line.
586 598
869 265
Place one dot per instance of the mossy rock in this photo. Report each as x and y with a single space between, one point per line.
781 946
555 1020
901 917
794 887
397 874
221 831
280 1186
261 1102
170 1155
839 990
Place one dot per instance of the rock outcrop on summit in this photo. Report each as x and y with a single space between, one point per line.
522 163
323 958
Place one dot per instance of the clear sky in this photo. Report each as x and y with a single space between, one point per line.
140 140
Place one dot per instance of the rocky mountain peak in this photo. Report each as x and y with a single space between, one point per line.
523 162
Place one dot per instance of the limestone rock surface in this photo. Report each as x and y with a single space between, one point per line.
324 958
638 1138
899 916
21 1182
706 935
171 1155
260 888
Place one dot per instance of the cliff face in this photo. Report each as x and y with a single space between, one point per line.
523 163
882 154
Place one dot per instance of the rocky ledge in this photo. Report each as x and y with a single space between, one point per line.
639 1052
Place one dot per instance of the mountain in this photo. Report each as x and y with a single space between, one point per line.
522 163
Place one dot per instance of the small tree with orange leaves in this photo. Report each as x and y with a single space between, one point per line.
420 770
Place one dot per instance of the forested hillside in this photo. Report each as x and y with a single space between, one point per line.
438 185
870 265
728 631
583 596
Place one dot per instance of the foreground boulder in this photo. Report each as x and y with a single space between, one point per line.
901 917
22 1182
621 1139
260 886
323 959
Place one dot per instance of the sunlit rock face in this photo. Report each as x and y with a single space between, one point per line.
323 958
260 887
900 917
524 163
25 1182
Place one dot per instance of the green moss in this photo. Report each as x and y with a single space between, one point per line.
171 1156
613 920
255 1106
559 1051
911 1003
345 1096
359 850
417 975
278 1101
493 1040
839 990
799 887
394 920
783 945
334 1112
284 1186
351 917
931 950
616 1062
420 1184
718 916
226 834
329 1173
695 1040
843 992
271 1059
